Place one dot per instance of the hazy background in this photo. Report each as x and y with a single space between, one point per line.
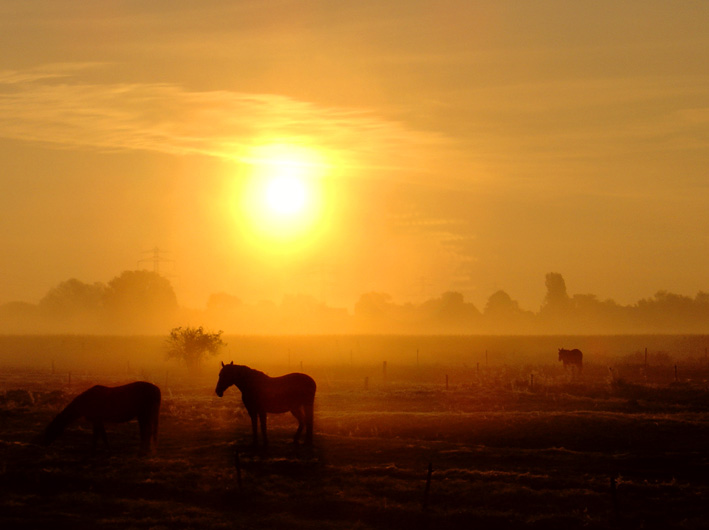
472 147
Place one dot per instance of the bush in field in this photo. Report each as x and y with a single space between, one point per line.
192 345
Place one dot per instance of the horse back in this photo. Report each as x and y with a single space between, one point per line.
121 403
574 356
284 393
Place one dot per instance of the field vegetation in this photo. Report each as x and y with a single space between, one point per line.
452 432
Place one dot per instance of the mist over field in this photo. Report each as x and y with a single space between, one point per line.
144 302
130 355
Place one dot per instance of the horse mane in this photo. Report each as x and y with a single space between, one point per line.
256 373
250 373
249 379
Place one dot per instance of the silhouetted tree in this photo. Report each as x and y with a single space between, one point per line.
223 302
73 305
224 310
374 311
502 314
140 302
192 345
556 311
304 314
450 312
556 297
598 316
668 312
373 305
501 305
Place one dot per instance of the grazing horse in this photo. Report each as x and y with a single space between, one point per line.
571 357
118 404
262 394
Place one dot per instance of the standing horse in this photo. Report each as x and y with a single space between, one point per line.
262 394
571 357
118 404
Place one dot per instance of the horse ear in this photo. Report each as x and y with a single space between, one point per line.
232 362
222 364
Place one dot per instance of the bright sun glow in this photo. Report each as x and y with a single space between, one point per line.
284 195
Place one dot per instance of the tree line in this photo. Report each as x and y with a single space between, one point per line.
144 302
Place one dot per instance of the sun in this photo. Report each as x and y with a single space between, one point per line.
286 195
282 201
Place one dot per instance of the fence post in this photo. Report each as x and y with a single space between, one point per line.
428 486
614 496
646 360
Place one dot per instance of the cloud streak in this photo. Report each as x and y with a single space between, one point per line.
47 106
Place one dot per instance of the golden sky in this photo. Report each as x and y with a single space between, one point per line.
451 145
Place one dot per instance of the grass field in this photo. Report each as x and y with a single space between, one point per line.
510 445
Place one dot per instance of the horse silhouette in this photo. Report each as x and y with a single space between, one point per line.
118 404
571 357
262 394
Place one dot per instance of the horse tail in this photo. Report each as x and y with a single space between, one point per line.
155 416
309 409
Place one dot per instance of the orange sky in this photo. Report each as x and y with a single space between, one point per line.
453 145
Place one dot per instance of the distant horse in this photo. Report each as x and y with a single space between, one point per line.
571 357
119 404
261 394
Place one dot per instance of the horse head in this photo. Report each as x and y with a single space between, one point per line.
54 429
226 378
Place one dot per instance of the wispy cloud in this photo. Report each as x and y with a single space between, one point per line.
51 106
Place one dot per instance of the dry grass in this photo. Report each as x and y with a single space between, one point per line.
505 454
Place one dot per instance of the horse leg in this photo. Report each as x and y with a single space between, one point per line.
154 431
308 407
99 432
300 416
153 420
262 416
254 428
145 432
